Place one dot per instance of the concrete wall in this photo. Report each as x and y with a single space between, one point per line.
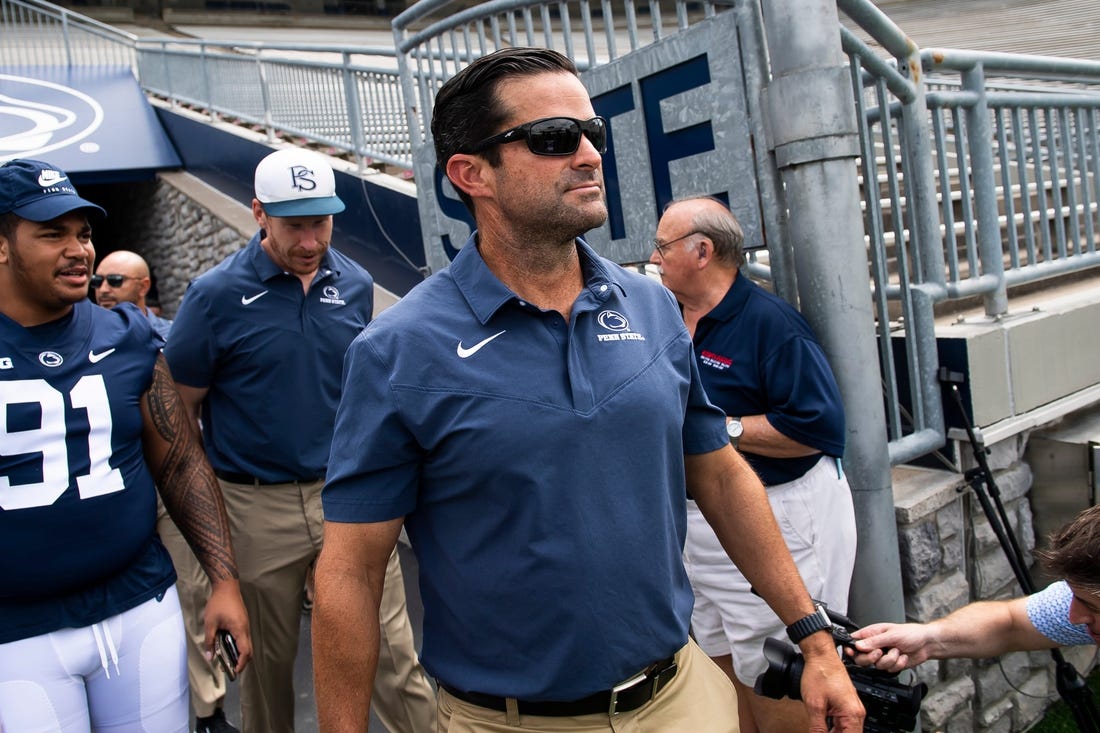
1032 386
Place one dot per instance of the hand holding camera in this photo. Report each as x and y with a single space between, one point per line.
891 705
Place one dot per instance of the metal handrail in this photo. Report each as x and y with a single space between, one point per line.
84 40
354 106
980 171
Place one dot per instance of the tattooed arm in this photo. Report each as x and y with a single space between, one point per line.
190 492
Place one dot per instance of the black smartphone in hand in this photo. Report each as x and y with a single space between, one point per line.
225 651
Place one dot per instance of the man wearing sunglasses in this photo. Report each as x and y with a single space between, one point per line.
123 277
760 362
541 408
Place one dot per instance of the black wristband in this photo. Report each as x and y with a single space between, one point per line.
811 624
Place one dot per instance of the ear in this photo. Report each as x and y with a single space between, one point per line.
146 283
4 247
705 252
258 212
471 174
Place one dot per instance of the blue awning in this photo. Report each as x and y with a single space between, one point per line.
93 122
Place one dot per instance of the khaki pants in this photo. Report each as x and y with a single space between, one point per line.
277 532
700 699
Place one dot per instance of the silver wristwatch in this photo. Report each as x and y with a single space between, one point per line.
734 429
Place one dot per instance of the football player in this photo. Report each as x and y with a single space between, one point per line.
91 634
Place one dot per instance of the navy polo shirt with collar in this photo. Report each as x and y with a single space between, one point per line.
539 465
758 356
271 357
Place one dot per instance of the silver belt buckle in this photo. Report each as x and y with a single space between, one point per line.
612 709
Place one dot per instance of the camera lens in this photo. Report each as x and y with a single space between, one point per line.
783 677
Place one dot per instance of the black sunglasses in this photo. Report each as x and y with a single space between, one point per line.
114 281
553 135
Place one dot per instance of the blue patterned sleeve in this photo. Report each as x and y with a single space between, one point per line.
1048 611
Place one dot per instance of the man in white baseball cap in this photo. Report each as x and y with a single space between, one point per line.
296 182
257 352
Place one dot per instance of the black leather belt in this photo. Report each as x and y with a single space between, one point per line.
244 478
630 695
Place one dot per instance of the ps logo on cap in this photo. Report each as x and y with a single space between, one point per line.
295 182
300 178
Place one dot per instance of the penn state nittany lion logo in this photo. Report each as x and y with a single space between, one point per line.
613 321
37 117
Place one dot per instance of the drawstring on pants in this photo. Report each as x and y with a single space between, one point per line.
106 644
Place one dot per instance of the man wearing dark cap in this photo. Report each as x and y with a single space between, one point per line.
90 628
257 351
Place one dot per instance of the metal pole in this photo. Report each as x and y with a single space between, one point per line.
355 112
815 141
980 132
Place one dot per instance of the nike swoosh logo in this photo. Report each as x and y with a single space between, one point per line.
467 353
96 358
245 300
50 178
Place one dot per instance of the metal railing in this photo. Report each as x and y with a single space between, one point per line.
35 33
345 97
979 171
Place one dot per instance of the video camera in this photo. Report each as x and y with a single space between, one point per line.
891 705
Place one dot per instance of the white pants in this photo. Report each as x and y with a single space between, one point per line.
817 520
127 674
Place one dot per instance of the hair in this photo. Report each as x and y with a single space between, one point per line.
468 110
1073 552
9 221
722 228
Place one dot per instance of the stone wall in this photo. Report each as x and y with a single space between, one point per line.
950 556
182 228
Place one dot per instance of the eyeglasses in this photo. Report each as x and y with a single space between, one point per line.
114 281
552 135
662 246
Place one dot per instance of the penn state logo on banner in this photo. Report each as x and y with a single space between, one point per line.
89 119
38 117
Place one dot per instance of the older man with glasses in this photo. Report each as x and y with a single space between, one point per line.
761 364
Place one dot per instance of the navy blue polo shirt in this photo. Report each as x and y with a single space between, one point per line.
78 506
539 465
758 356
271 357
